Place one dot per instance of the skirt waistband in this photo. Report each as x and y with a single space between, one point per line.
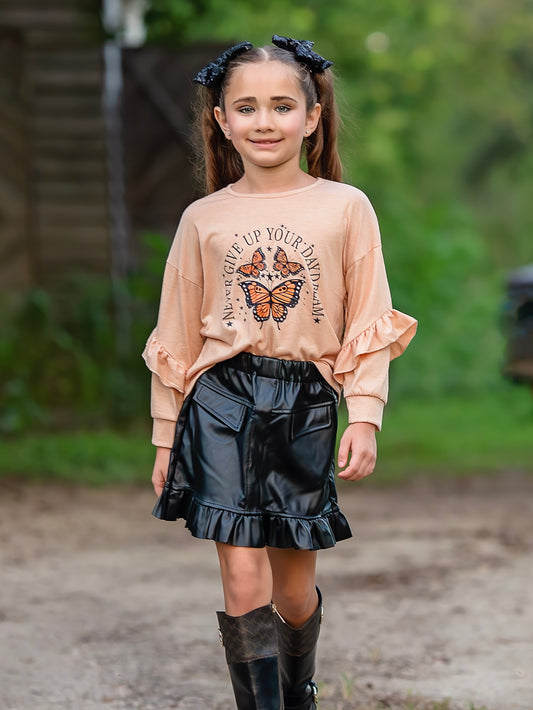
290 370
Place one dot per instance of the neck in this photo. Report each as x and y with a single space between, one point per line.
270 181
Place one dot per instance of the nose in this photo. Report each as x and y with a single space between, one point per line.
263 120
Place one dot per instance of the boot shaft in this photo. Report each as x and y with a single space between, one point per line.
251 646
252 635
297 648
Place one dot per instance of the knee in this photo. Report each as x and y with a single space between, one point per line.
296 604
247 585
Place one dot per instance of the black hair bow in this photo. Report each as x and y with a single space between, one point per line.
214 72
301 48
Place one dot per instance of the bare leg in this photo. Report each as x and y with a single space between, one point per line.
246 578
294 589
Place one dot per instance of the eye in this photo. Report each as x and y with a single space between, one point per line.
245 109
283 108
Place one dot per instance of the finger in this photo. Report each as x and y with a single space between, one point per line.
361 465
344 449
350 474
353 467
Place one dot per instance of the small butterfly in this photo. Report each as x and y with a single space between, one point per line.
265 303
281 263
255 266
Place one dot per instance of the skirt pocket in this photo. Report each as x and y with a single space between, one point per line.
311 419
228 411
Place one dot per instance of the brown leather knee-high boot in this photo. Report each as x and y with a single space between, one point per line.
252 655
297 649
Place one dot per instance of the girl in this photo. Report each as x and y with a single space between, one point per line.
274 298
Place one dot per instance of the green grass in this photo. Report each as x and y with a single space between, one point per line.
451 436
84 457
438 438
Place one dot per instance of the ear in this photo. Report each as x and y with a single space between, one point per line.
220 118
312 119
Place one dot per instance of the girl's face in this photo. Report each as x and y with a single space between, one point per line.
265 115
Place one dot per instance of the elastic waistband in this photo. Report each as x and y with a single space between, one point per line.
290 370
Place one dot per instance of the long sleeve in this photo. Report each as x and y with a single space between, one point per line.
176 342
375 333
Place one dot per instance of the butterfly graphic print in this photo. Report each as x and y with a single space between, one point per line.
255 266
283 265
276 302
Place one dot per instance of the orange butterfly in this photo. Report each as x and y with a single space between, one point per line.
255 266
281 263
265 303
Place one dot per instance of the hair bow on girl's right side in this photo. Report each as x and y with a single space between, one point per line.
214 72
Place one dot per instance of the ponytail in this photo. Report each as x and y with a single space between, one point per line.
217 163
323 159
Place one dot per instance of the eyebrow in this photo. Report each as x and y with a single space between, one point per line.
251 99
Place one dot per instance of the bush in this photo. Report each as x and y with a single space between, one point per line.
74 358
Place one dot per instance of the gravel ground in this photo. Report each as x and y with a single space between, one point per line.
104 607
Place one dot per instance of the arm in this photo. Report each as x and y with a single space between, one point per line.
375 333
171 350
176 342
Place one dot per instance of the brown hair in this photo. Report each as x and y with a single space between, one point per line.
219 164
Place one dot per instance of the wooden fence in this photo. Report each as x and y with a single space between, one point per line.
55 210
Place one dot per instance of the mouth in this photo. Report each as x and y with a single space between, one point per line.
265 141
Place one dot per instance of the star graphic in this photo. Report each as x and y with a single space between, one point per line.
229 324
317 320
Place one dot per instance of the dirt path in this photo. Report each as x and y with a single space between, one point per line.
103 606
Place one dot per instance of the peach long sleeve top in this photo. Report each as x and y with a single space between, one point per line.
296 275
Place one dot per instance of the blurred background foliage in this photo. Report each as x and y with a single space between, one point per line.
438 121
438 115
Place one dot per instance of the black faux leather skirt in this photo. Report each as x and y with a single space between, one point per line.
253 457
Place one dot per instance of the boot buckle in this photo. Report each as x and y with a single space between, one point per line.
314 690
275 611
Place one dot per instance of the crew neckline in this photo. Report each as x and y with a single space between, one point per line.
266 195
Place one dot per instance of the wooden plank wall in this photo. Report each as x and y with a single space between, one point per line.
14 156
54 178
62 183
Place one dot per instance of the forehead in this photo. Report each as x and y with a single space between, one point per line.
269 78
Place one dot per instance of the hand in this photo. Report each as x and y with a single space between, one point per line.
358 443
160 472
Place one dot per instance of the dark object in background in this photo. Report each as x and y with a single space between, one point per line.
518 314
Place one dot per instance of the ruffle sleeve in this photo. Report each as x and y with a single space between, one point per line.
176 342
362 364
163 364
374 332
393 330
